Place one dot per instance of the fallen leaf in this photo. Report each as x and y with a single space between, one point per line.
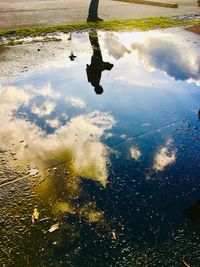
36 214
54 227
114 235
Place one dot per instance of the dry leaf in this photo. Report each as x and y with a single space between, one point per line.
54 227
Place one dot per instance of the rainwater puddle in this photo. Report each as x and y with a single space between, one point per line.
100 135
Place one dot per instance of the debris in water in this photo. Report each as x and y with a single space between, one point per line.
33 218
185 263
114 235
54 227
66 172
44 219
35 215
33 171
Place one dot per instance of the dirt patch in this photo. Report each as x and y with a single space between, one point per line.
2 48
194 28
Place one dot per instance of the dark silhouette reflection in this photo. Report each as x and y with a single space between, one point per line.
97 64
72 56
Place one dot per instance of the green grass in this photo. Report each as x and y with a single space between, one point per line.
114 25
13 42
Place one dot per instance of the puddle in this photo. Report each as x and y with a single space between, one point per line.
100 135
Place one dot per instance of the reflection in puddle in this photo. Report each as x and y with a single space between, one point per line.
164 157
76 144
61 158
135 153
110 175
166 54
97 66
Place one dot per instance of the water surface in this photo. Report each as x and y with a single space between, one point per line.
100 133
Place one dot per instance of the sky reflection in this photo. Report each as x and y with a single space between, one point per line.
115 169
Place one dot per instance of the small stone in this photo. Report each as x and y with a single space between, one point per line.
34 171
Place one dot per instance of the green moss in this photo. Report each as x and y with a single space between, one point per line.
14 42
47 39
114 25
44 40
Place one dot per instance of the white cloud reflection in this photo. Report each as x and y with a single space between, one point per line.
54 123
43 110
165 156
135 153
102 120
47 91
75 147
164 52
10 100
115 46
76 102
78 141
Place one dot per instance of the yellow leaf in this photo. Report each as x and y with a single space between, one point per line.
36 214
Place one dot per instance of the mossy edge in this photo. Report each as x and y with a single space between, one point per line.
114 25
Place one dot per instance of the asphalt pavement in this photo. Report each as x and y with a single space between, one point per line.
21 13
